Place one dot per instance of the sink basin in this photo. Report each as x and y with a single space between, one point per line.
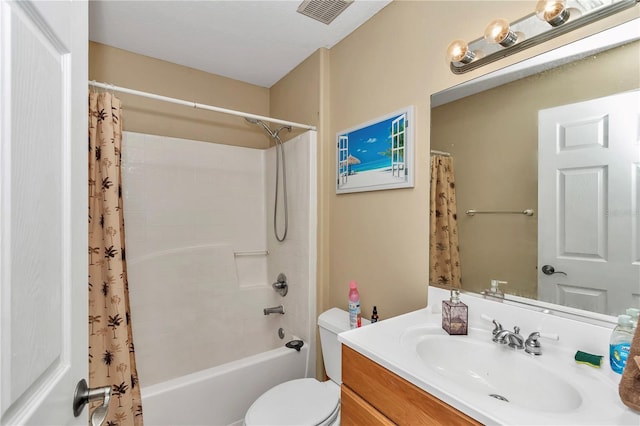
492 370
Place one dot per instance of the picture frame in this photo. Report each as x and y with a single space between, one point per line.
376 155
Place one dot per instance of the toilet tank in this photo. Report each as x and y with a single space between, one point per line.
331 323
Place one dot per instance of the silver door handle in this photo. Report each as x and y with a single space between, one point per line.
83 395
550 270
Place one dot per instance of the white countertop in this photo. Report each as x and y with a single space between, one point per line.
385 343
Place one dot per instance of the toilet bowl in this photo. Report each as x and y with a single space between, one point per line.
307 401
297 402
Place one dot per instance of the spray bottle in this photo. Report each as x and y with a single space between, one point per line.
355 319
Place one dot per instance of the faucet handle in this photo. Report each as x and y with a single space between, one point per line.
497 326
532 346
550 336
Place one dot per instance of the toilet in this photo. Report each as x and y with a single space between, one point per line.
307 401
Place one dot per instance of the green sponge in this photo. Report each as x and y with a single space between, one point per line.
589 359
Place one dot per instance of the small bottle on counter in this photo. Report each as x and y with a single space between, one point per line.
455 314
355 319
374 315
620 343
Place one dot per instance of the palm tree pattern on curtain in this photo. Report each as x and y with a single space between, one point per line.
111 350
444 253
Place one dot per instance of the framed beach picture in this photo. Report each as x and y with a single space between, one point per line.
376 155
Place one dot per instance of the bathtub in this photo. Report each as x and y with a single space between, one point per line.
221 395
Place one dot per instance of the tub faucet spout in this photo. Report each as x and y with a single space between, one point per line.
274 310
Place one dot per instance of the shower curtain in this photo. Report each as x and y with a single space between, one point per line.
444 255
111 350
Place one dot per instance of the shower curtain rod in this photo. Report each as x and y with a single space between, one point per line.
199 106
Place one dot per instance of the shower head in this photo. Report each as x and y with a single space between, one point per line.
273 134
260 122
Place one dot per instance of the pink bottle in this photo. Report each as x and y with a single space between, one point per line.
355 319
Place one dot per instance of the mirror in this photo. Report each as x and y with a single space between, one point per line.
492 129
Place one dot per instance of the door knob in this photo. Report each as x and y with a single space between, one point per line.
550 270
83 395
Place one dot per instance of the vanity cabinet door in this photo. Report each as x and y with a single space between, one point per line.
395 398
356 411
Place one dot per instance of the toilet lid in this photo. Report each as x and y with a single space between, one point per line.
297 402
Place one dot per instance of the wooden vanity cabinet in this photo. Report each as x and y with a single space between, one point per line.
373 395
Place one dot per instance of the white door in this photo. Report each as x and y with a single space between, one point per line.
588 195
43 210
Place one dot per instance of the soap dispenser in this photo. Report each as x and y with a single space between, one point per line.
494 291
455 314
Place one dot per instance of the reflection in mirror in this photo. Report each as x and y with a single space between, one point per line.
552 143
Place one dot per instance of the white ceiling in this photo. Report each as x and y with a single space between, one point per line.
255 41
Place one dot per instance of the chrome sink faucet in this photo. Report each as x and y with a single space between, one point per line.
531 345
513 338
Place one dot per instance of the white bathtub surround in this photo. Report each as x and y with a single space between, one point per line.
592 394
190 207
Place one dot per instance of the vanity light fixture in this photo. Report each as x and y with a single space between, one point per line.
499 31
554 12
458 51
550 19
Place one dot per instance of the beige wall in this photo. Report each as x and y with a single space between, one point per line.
495 158
380 238
126 69
296 97
397 59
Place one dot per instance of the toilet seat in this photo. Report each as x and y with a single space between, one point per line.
296 402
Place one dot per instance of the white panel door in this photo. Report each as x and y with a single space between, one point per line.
43 210
589 185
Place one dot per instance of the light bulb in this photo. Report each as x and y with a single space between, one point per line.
458 51
498 31
552 11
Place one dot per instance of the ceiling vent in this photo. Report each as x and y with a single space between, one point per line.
324 11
